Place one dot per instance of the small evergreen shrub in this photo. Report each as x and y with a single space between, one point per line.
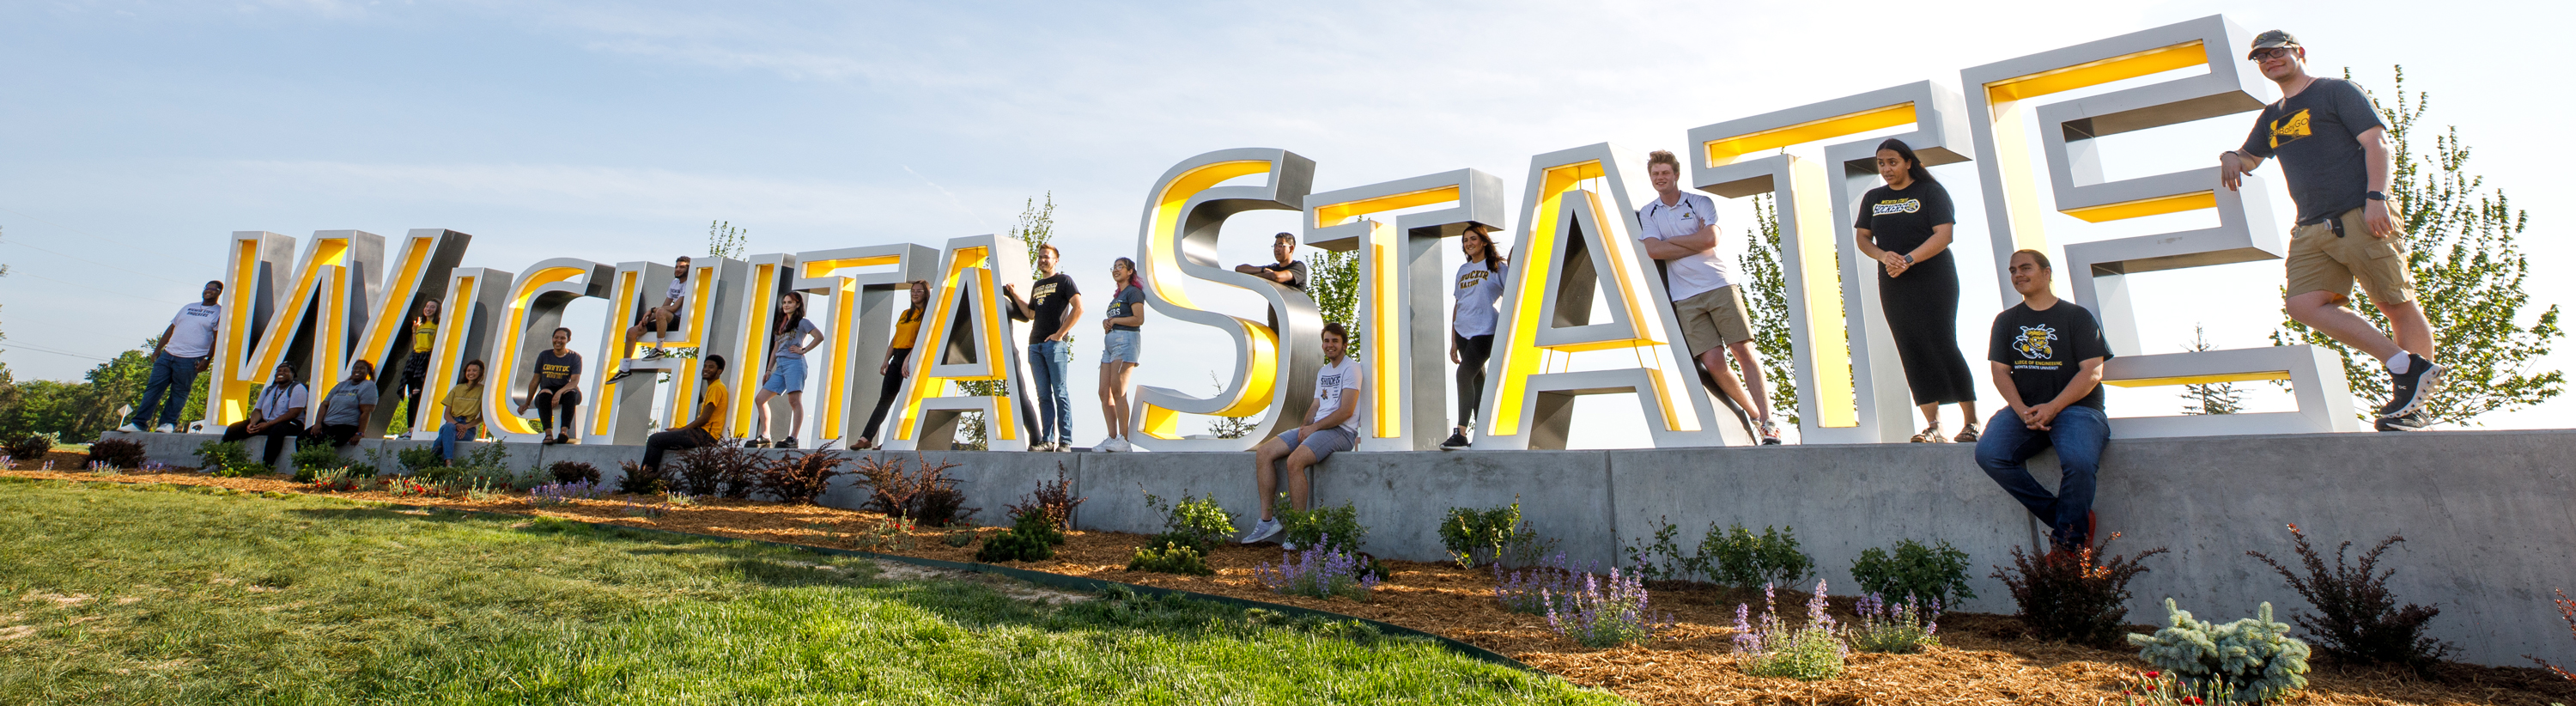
416 459
1054 499
1476 537
636 479
1198 523
1317 570
1772 648
1895 628
2067 595
2357 620
801 478
2253 659
926 495
1936 574
117 453
574 472
1541 589
1604 613
32 447
1336 528
1736 557
227 460
1032 537
1172 558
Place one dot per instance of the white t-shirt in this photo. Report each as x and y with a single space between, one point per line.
192 332
1694 275
1476 292
679 288
1334 387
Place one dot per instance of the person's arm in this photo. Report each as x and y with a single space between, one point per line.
1253 270
1932 246
1352 398
706 416
522 407
2088 374
2375 158
1072 313
2002 375
1889 261
165 340
1020 310
813 337
2234 164
1699 241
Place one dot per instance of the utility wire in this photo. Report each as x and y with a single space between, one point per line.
41 349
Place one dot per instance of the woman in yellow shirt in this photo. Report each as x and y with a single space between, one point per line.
464 404
424 333
891 371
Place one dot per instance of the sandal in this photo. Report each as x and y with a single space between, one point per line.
1931 435
1967 436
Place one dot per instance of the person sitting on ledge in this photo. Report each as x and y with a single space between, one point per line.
703 431
279 415
347 406
2047 360
1332 425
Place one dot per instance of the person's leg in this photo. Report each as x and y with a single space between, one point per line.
545 404
2079 433
2324 311
2414 333
1473 352
277 438
445 442
238 431
660 442
1119 409
2001 451
1715 360
153 387
1265 464
1060 361
183 383
760 410
1931 413
1300 486
1044 379
888 385
1751 363
570 400
795 413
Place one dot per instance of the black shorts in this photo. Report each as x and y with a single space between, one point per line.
644 319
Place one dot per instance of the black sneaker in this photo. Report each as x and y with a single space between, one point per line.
787 444
2415 420
2421 379
621 375
755 443
1457 440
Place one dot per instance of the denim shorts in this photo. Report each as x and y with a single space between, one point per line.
1122 347
785 375
1323 443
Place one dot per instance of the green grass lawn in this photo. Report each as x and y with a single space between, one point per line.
123 594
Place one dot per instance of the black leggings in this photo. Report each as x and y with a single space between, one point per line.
1472 352
415 370
885 392
569 400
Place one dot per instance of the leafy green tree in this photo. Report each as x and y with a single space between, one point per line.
2212 398
1333 281
725 240
1768 297
2468 277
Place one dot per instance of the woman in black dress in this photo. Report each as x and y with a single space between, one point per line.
1905 226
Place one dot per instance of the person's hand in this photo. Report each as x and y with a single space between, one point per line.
1247 269
1011 289
1057 338
1894 263
2042 415
2230 170
1453 354
2374 215
203 363
1105 325
882 366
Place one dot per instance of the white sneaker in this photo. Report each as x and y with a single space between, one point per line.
166 428
1265 530
1106 445
1125 445
130 428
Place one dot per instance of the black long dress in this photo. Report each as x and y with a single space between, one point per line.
1922 306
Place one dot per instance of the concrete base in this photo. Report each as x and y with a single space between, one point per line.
2490 517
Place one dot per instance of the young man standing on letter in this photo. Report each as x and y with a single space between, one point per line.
1681 229
2334 154
2047 360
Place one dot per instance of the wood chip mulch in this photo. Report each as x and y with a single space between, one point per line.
1983 659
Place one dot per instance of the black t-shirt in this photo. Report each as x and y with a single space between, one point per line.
1050 297
2315 135
555 370
1899 220
2046 348
1123 305
1296 273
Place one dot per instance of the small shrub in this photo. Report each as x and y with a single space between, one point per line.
1894 628
338 480
718 471
2067 596
926 496
636 479
310 460
1476 537
408 487
891 534
1032 537
958 539
1318 571
2160 689
1604 613
801 478
2357 620
2253 659
1542 589
679 499
1937 574
574 472
2567 610
1335 528
33 446
1661 558
420 458
1198 523
1053 499
1172 558
117 453
1773 649
1736 557
227 460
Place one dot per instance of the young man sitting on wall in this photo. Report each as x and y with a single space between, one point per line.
2047 356
1332 425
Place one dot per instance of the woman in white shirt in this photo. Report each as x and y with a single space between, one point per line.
1471 331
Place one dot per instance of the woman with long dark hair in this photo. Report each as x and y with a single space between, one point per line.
424 336
1471 328
790 336
464 405
906 328
1121 348
1905 226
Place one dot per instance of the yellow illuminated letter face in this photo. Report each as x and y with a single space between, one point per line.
2220 84
358 311
709 317
1402 290
866 288
1578 236
967 337
477 297
528 320
1274 373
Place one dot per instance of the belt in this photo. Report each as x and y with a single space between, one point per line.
2332 220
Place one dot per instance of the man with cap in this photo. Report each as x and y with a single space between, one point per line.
2334 154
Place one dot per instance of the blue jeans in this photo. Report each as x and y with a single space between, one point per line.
448 436
2078 434
173 375
1047 361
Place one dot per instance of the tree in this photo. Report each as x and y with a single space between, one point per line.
2468 278
2212 398
1333 281
1035 227
1768 296
725 240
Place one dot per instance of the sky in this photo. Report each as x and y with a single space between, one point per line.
134 135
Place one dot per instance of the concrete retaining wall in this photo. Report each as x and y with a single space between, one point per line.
2490 516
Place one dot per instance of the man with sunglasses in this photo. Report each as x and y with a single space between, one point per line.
2334 154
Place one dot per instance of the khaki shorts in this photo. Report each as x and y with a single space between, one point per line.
1713 318
2322 262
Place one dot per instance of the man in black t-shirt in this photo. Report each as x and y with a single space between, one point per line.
1287 272
1052 307
2334 153
2047 356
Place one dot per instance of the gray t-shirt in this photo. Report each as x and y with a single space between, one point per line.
2316 135
1478 288
344 400
783 345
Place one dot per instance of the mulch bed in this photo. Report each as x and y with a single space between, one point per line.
1983 659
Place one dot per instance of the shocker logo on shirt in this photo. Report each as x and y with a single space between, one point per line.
2034 342
1896 206
2290 129
1473 278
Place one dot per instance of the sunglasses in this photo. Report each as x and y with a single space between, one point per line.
2269 54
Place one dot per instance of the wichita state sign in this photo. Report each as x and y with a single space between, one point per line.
336 300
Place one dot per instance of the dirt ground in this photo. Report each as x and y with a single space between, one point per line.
1983 659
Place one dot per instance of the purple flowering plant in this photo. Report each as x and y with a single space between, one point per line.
553 494
1896 628
1603 612
1528 590
1773 648
1318 572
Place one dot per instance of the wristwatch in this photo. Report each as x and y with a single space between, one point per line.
1909 259
2374 195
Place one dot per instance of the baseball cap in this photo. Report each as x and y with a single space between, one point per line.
2270 39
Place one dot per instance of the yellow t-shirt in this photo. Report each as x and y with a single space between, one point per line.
717 395
907 326
422 335
465 402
